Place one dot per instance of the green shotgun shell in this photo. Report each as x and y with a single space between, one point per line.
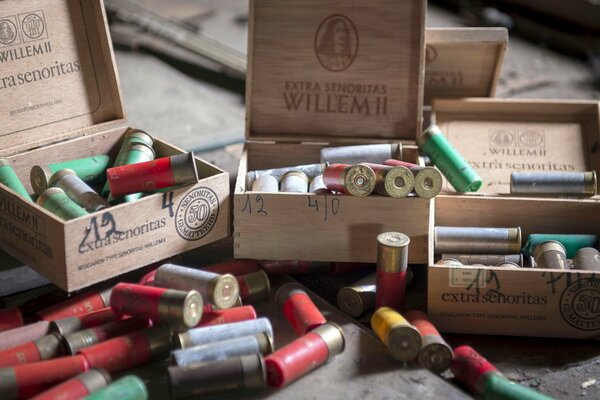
131 136
88 169
129 387
9 178
572 243
57 202
134 153
444 156
498 387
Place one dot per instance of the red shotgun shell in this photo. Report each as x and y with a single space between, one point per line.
234 267
357 180
24 334
77 387
304 354
436 354
235 314
152 175
180 309
82 304
294 267
254 287
79 322
10 318
47 347
392 262
24 381
298 308
470 368
129 351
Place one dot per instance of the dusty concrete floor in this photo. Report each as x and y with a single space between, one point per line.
195 111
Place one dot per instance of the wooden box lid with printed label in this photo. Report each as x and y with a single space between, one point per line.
498 137
463 62
61 101
329 73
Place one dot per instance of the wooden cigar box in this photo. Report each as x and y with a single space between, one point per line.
497 137
61 102
309 87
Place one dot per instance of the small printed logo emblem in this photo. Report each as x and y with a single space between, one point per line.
580 304
531 139
197 213
502 138
336 43
8 31
33 26
430 54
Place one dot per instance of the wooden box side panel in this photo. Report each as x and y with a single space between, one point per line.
463 62
302 83
524 302
59 78
32 235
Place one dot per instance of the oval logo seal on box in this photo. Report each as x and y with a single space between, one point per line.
580 304
33 26
336 43
8 31
197 213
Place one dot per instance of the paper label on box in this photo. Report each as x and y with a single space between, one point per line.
467 278
496 149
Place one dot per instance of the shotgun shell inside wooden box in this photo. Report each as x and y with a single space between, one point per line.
9 178
78 190
89 169
393 181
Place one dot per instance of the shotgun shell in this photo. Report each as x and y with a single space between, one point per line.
471 369
424 160
508 265
58 203
347 267
450 262
9 178
17 336
77 387
76 341
220 290
266 183
242 373
435 354
357 180
129 387
428 180
298 308
485 259
129 351
366 153
498 387
294 182
151 175
235 314
392 262
294 267
444 156
304 354
10 318
254 287
571 242
553 183
44 348
78 190
217 333
401 338
234 267
25 381
236 347
587 259
135 153
392 181
551 254
126 156
178 308
310 170
76 306
359 298
89 169
77 323
317 186
450 239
